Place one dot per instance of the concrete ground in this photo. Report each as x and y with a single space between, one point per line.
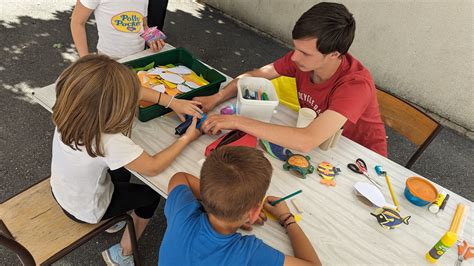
35 46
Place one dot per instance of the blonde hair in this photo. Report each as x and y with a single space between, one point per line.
96 95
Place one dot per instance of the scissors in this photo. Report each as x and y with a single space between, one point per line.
360 167
465 252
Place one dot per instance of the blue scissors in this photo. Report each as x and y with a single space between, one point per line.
360 167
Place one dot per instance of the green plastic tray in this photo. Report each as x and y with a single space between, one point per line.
178 56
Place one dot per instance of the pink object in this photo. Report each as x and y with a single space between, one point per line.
152 34
228 110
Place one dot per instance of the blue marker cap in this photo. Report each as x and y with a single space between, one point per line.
378 170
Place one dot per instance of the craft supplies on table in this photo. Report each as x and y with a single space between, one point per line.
228 110
181 128
465 252
436 205
371 193
360 167
327 172
298 163
274 150
443 205
253 106
204 82
389 218
172 79
443 245
457 219
379 171
420 191
232 138
287 197
449 238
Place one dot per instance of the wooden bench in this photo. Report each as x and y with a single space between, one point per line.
32 221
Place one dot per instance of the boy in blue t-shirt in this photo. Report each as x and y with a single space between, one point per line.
204 215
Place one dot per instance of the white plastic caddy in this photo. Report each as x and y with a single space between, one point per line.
256 109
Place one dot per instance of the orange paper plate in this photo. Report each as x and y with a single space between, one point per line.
422 188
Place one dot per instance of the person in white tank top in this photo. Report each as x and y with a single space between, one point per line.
96 104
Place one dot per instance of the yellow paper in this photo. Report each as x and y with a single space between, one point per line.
271 217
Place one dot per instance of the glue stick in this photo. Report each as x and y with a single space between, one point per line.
434 207
441 247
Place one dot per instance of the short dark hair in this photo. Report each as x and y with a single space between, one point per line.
331 23
233 181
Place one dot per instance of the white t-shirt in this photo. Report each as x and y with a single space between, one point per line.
119 23
80 183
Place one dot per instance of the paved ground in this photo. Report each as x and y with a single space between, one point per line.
35 45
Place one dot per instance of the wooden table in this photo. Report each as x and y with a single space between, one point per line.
337 223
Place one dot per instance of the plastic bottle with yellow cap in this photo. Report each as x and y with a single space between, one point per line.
441 247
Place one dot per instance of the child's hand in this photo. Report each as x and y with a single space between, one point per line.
260 220
208 102
156 45
192 132
185 107
279 210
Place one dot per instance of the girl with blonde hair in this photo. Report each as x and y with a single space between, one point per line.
96 102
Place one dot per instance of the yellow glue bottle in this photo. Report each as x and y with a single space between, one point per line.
441 247
434 207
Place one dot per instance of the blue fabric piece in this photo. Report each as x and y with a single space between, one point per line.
191 240
279 151
274 150
181 128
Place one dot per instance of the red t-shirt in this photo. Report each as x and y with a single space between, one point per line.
350 92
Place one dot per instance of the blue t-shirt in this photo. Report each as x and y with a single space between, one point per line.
190 239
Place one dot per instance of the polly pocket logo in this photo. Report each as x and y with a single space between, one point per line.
130 21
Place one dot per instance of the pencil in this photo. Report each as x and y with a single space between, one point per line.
286 197
395 202
458 215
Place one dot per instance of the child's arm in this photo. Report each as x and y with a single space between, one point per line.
80 15
302 248
230 90
153 165
181 107
186 179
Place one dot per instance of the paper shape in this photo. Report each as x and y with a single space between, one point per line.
371 192
156 71
271 217
181 70
389 218
144 80
193 77
182 88
172 91
169 85
172 78
192 84
159 88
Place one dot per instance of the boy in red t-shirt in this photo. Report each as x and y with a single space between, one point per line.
329 80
